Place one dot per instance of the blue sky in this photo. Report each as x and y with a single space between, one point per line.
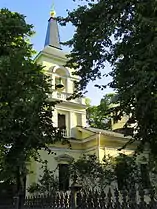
37 13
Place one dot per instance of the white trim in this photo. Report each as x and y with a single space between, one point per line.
120 137
64 157
47 55
85 150
69 76
73 150
69 103
57 67
65 149
58 107
54 56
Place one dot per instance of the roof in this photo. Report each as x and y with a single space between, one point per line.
52 35
105 132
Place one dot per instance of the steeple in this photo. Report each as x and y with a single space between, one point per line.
52 35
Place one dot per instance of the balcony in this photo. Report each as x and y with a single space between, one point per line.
64 97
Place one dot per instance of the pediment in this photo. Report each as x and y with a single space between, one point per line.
65 158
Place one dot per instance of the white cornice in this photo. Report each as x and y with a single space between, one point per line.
60 107
73 150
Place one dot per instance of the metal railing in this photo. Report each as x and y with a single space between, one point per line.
111 199
64 133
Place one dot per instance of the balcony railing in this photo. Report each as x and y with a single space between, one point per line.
64 97
63 132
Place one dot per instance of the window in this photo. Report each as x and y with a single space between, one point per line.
63 177
62 124
145 176
61 121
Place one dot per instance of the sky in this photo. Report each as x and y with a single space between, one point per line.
37 14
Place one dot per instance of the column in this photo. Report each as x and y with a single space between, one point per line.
53 81
72 123
69 86
55 118
84 119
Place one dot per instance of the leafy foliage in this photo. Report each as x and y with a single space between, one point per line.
122 169
91 174
25 111
122 33
99 116
127 172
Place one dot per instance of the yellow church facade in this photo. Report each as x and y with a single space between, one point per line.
70 115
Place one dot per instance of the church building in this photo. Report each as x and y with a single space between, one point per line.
70 115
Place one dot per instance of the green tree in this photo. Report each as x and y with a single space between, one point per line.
122 33
122 169
91 174
25 111
127 172
100 116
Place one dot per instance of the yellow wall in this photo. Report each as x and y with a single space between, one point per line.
52 162
99 145
120 123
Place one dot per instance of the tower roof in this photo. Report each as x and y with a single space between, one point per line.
52 35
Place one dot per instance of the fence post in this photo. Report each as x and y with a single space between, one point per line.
16 200
19 201
75 188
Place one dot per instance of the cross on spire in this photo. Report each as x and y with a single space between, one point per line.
52 11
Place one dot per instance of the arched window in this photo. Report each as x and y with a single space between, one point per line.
61 75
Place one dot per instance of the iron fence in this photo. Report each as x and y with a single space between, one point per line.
89 200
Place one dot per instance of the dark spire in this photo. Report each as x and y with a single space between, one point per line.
52 35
